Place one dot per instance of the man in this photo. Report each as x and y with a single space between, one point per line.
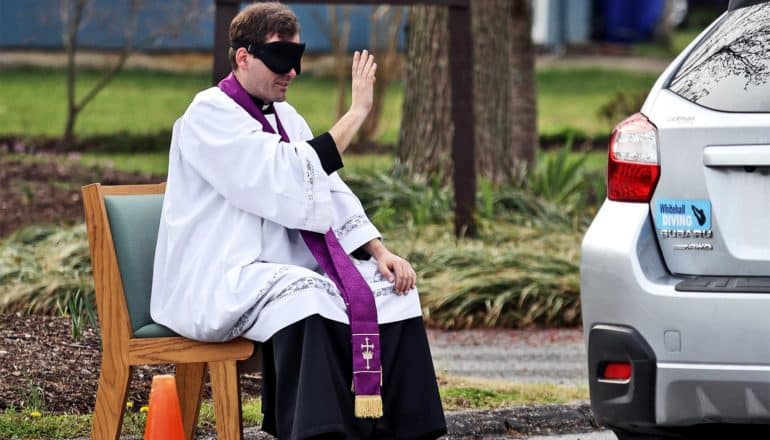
255 240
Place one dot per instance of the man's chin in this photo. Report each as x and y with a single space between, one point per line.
279 97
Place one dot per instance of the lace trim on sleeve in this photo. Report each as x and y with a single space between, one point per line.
350 225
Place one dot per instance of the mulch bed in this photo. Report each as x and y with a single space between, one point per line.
46 190
39 360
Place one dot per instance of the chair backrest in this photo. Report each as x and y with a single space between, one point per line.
134 224
122 226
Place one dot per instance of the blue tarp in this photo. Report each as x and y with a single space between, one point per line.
630 21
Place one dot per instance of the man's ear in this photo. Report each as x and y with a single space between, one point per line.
241 56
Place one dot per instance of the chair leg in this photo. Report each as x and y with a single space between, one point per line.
189 384
110 401
227 399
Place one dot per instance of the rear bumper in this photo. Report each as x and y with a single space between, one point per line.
711 350
621 403
700 393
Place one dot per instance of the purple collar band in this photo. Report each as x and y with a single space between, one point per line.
335 262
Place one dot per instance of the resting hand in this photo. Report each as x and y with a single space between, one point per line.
364 69
398 271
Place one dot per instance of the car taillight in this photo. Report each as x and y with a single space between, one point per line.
619 371
633 168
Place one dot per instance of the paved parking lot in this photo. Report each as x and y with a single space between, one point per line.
556 356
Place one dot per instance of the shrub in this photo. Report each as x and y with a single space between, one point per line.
621 106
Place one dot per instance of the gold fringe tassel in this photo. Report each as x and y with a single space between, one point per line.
368 407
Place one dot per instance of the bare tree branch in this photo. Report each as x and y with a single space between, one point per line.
72 13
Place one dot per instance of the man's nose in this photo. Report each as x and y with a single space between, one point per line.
292 73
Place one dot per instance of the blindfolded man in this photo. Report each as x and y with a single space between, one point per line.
256 240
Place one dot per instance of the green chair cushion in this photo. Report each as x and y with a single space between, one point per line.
134 222
154 331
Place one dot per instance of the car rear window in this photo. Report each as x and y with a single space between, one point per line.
730 68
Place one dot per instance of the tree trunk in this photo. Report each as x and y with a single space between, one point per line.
338 32
388 69
425 138
491 28
523 107
504 89
71 13
504 92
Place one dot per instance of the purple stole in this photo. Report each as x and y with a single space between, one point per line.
355 291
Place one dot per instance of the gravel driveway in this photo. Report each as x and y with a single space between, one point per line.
556 356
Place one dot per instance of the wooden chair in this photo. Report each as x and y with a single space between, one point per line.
122 224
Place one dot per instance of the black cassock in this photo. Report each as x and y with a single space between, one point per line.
307 376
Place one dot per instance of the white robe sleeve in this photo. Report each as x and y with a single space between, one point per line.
350 223
254 170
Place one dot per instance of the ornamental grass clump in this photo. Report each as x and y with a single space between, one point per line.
513 276
45 268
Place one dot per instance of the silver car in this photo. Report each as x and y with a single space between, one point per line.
675 270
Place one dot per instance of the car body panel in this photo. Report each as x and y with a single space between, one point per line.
739 208
624 281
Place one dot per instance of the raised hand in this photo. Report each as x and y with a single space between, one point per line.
363 71
363 74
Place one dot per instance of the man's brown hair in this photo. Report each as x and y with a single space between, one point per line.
258 21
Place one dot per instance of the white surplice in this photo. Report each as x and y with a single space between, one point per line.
229 259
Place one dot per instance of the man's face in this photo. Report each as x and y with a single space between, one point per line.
260 81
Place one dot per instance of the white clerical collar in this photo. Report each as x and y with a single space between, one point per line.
266 107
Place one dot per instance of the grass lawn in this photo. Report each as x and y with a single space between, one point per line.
145 102
569 100
456 394
145 162
32 101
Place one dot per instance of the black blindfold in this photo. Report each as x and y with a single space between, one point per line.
279 56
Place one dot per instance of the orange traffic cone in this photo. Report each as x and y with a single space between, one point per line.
164 418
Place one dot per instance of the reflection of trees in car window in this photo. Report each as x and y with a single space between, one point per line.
730 68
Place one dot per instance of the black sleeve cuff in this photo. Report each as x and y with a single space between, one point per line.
360 254
326 149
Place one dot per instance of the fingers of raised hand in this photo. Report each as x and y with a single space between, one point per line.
356 61
359 62
363 64
368 66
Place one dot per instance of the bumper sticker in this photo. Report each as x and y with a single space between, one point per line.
679 215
